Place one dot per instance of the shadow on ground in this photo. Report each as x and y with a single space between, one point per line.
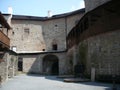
102 84
108 86
50 77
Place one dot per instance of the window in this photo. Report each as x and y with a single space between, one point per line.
54 47
26 31
54 44
13 33
56 27
14 48
26 34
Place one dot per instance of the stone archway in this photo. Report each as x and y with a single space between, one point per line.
51 65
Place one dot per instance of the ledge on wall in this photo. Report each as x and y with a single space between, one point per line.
38 52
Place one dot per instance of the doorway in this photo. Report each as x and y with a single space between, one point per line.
20 64
55 69
51 65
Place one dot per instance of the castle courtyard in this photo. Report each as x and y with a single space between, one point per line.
77 50
37 82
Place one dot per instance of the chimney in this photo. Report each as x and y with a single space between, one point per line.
49 14
10 11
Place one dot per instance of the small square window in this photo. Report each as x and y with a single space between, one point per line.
54 47
13 33
26 31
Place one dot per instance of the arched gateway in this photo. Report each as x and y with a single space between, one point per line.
51 65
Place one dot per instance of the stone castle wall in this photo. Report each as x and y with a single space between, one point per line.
103 53
42 34
12 65
98 44
100 51
35 64
31 40
54 32
71 21
8 66
92 4
4 68
40 38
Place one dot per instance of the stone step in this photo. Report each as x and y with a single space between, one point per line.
76 80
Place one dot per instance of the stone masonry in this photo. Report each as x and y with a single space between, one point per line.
103 53
41 34
92 4
35 64
8 67
34 38
97 44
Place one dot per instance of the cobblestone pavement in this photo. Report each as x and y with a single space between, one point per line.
36 82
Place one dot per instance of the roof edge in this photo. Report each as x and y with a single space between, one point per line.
26 17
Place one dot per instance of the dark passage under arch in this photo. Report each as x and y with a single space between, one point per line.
55 68
51 65
20 64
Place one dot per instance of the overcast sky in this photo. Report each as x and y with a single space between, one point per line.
40 7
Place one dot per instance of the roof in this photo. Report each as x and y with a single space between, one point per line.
3 21
24 17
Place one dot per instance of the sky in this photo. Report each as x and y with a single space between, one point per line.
40 7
